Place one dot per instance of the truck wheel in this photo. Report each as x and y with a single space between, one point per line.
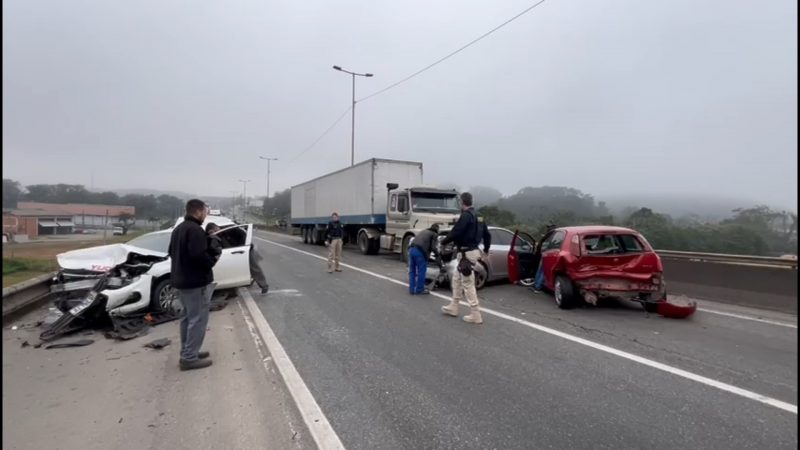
404 248
320 237
363 243
564 292
304 232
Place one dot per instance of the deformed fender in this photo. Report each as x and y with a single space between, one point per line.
117 297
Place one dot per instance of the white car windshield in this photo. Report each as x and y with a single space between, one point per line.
158 242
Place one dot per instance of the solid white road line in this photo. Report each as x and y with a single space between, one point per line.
318 426
591 344
754 319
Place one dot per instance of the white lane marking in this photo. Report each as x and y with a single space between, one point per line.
318 426
591 344
754 319
287 292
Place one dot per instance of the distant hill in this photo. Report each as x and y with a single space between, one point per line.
155 192
677 205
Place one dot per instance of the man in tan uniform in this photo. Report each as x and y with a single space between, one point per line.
466 234
333 239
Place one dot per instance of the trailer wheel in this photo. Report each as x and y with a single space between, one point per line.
304 233
320 237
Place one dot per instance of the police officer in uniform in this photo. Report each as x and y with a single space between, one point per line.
466 234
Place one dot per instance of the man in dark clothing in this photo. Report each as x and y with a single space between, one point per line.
418 253
333 239
214 241
191 275
467 235
255 269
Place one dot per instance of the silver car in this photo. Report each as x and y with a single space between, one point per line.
492 267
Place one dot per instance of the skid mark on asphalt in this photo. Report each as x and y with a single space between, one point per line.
585 342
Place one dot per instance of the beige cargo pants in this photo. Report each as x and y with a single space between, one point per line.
334 255
465 286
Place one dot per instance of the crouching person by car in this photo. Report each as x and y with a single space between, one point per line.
192 277
418 253
256 272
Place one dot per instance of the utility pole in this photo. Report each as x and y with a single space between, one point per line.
268 160
244 200
353 119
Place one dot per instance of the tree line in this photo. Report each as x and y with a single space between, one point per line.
755 230
148 207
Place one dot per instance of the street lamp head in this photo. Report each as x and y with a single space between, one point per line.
368 75
337 67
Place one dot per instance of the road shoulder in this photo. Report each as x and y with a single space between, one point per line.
117 394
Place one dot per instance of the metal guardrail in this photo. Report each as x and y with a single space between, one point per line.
26 294
744 260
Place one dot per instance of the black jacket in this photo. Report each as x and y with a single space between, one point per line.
191 260
425 241
486 237
334 231
215 246
466 233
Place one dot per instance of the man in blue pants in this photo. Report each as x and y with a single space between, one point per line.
418 253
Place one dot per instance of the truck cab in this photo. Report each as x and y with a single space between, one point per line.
414 209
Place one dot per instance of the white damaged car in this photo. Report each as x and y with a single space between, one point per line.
138 272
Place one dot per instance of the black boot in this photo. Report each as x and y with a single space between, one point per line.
195 364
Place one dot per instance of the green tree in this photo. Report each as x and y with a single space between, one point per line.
495 216
12 191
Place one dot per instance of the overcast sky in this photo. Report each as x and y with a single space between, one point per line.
611 97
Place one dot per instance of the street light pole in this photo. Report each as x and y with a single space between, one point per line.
353 115
268 160
244 200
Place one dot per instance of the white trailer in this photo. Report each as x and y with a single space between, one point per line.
382 204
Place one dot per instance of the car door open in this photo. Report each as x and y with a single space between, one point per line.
233 268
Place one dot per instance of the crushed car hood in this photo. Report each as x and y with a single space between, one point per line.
102 258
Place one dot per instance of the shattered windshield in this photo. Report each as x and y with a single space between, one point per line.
431 202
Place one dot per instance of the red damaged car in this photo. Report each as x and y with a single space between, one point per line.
587 263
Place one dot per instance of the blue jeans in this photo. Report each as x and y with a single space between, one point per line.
538 282
417 268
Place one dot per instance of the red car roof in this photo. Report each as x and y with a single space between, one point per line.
592 229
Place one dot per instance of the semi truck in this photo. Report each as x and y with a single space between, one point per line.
382 204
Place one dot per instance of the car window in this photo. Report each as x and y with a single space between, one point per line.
555 241
524 243
630 243
158 242
402 204
611 244
231 237
501 237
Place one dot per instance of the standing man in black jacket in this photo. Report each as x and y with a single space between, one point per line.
192 277
333 239
467 234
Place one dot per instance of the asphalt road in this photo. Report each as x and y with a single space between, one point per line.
390 371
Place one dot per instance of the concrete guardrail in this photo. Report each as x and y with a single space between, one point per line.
25 295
